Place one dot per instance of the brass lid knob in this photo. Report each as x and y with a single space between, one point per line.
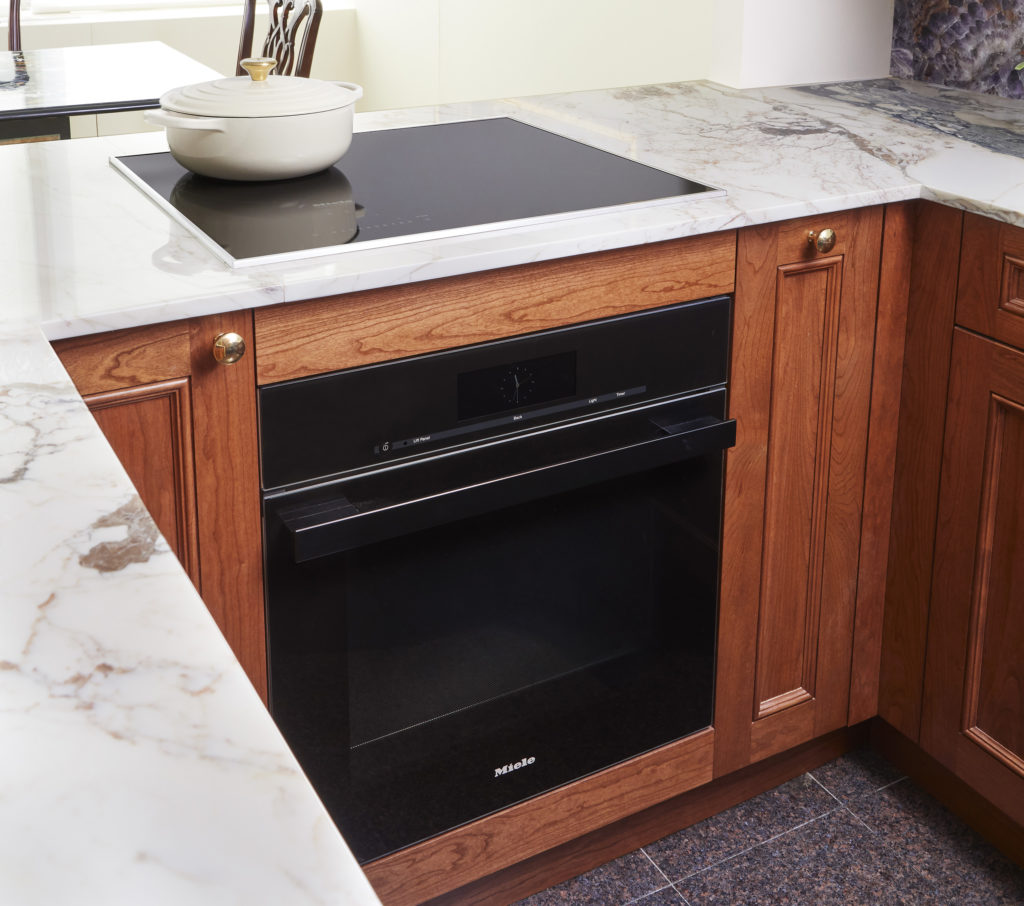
258 67
228 348
824 241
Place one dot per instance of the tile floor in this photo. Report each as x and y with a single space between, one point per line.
850 832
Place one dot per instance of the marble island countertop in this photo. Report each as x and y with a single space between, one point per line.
138 763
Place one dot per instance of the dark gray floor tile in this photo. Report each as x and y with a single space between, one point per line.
856 774
613 884
832 860
667 896
740 827
958 863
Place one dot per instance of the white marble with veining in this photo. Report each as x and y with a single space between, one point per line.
137 763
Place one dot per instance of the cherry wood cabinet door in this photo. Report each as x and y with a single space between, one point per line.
150 428
803 353
973 705
990 294
184 428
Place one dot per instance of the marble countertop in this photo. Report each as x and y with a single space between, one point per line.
92 78
139 765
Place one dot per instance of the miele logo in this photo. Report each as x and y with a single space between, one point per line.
509 768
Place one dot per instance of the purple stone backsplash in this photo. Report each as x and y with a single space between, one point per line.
960 44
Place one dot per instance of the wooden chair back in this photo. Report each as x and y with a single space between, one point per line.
14 26
290 39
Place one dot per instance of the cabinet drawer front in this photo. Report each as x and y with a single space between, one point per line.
306 338
990 294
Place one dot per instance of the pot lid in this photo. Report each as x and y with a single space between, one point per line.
259 94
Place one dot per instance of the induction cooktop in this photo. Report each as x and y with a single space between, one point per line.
398 185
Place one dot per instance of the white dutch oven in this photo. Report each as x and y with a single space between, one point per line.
257 127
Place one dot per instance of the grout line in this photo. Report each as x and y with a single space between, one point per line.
754 846
825 788
886 786
668 880
649 893
654 890
859 820
686 902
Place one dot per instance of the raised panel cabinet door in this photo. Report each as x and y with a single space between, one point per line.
150 428
804 340
184 427
990 293
973 708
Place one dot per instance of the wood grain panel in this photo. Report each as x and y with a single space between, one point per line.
150 428
227 491
994 686
992 279
847 464
800 389
598 847
1011 298
783 729
932 301
304 338
750 387
977 618
803 376
994 690
126 358
498 841
880 473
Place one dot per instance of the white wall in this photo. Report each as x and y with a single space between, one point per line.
429 51
792 42
413 52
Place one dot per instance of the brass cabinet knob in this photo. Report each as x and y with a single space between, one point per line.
228 348
824 241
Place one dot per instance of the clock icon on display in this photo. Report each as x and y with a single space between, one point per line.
517 386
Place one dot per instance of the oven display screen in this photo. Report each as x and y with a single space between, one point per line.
527 383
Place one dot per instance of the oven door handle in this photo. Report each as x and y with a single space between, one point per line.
321 529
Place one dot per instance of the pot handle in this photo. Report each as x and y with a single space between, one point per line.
353 87
163 117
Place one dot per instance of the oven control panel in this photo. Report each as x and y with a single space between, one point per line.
359 418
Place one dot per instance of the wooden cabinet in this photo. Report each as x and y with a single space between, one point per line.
972 699
934 256
814 386
973 707
801 486
184 428
952 674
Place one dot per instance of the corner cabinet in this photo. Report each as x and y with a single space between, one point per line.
184 428
972 715
809 482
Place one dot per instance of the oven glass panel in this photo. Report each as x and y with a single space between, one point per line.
428 680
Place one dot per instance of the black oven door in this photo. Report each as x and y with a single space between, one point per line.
453 636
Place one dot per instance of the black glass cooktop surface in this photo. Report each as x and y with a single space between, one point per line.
395 185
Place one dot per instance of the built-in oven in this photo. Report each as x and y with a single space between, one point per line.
493 570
